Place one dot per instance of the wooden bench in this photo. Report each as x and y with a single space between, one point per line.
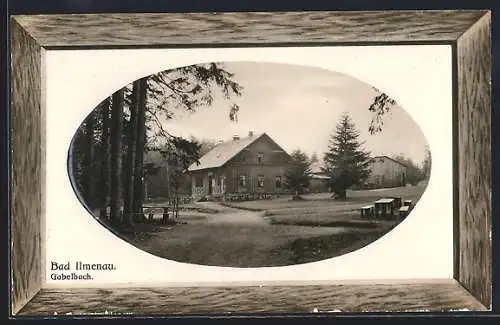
407 203
403 211
367 210
150 212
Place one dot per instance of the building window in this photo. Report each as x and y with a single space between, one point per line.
198 180
243 181
278 181
260 157
222 185
260 181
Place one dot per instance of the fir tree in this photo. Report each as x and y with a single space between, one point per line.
346 161
297 176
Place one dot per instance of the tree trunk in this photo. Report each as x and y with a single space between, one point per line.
340 194
128 209
105 180
88 185
116 152
176 202
296 196
169 192
139 152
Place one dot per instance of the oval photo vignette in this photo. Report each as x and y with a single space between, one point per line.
249 164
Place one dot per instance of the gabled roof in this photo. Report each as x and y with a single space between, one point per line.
387 157
224 152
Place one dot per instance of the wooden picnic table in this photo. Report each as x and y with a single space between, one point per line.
383 206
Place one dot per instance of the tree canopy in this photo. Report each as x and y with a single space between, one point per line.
414 174
297 176
381 105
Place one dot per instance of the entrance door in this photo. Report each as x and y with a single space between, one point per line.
210 184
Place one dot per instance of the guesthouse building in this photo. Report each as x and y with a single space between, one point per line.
251 164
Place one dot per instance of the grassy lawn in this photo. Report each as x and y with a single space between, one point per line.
354 199
321 210
247 246
292 232
305 250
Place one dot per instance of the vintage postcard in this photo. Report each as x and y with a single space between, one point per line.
292 170
235 172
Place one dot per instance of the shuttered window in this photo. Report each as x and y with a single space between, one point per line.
260 157
278 181
243 181
260 181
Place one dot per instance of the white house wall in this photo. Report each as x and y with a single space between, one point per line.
386 172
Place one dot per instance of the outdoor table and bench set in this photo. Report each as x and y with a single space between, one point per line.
387 207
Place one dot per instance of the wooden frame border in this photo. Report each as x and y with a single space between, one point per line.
469 34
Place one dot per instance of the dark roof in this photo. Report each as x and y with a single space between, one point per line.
224 152
398 162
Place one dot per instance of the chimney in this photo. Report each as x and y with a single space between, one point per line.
250 133
236 137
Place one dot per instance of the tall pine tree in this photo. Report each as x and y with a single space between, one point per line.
116 158
346 161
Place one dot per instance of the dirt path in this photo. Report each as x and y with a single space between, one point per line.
233 215
241 238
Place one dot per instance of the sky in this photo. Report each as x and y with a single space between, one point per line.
299 108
